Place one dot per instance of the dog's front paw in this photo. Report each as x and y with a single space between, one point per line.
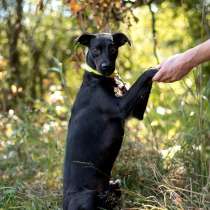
149 74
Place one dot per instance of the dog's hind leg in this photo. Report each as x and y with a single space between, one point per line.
110 199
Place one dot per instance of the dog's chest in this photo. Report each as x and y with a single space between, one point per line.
98 110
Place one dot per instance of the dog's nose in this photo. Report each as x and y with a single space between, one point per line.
105 66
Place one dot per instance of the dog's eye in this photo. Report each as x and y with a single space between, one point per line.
95 52
113 50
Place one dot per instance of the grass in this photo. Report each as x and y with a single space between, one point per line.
23 196
31 157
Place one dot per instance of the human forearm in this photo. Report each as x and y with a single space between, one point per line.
177 66
200 53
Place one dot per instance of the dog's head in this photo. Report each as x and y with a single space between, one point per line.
103 50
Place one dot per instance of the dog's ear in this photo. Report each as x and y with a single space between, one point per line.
120 39
84 39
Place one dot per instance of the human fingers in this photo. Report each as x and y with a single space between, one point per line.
160 75
158 66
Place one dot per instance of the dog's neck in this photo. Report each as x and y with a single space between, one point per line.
113 85
88 68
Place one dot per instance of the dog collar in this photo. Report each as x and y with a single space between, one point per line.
91 70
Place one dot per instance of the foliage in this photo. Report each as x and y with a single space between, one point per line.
164 162
103 14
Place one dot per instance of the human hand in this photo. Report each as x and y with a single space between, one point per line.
174 68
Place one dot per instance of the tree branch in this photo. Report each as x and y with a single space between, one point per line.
154 33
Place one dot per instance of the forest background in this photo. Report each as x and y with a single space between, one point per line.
164 162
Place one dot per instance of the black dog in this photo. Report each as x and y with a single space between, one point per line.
96 127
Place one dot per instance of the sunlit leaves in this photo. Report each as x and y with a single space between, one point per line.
75 6
102 14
